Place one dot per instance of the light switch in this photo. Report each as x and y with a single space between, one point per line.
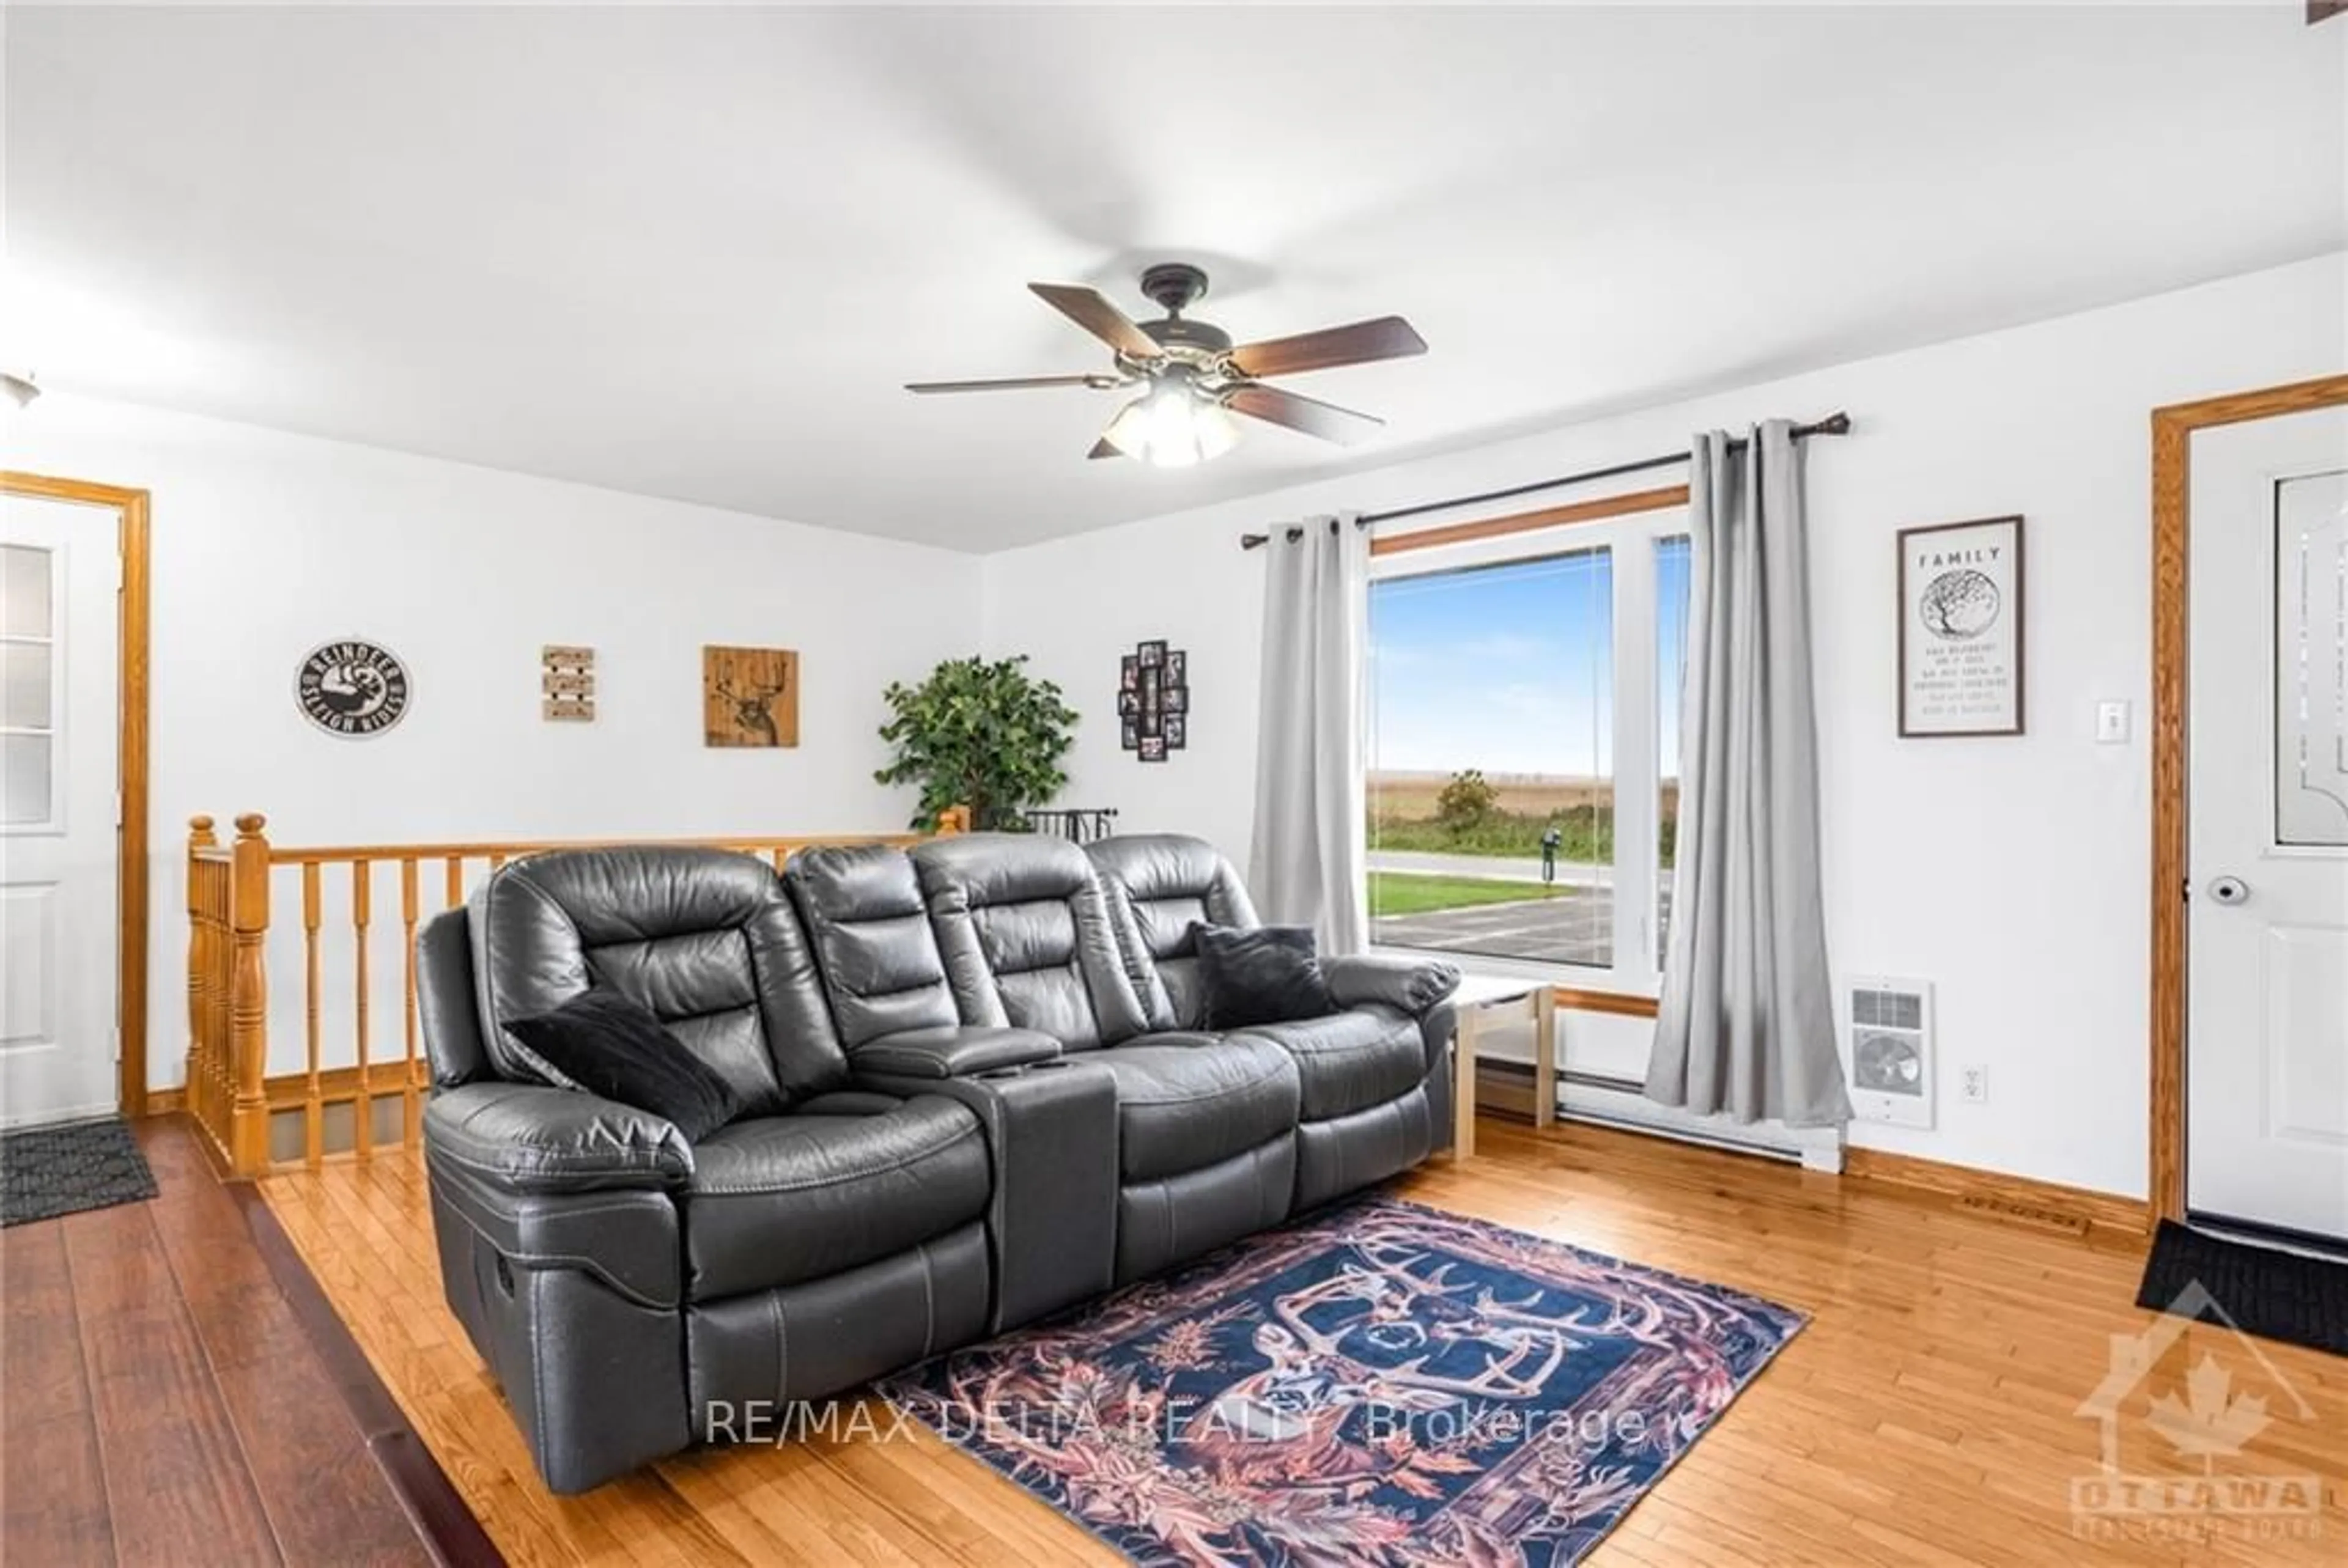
2111 723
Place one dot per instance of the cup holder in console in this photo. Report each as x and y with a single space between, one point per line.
1022 1067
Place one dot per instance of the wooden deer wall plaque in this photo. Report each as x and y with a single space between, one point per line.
750 696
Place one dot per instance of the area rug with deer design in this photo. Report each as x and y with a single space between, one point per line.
1383 1383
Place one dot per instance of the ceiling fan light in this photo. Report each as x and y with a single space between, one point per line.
1126 431
1215 430
1172 427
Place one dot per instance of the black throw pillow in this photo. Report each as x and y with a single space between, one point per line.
1268 975
611 1045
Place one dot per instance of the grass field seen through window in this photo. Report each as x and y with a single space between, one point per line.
1409 893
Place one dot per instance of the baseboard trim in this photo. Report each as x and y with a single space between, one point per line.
1996 1189
1508 1086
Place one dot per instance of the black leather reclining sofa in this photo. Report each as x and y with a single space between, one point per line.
979 1086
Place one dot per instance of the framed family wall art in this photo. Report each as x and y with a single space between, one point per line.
1960 648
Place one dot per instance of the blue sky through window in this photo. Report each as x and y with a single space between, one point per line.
1505 668
1671 564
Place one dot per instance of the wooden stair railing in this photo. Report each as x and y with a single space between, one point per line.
255 1118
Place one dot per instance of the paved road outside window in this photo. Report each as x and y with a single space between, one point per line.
1575 927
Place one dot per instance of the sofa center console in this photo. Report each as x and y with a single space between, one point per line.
1050 1131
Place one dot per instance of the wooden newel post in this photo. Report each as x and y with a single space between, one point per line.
249 996
201 1044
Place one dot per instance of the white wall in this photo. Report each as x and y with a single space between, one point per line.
2013 872
267 544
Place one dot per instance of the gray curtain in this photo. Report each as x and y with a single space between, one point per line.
1746 1024
1308 857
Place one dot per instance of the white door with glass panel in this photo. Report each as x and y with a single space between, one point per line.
2267 1020
59 584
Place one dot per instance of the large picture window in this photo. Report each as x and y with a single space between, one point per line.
1524 747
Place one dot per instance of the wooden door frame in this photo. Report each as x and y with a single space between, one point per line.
130 869
2172 445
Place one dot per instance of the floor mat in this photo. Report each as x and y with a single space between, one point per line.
1377 1386
46 1171
2284 1295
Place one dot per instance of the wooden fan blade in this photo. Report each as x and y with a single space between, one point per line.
1101 448
1090 309
1311 416
1387 337
1015 382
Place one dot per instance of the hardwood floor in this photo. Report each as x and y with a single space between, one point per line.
1928 1413
161 1399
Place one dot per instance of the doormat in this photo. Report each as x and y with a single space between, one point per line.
2284 1295
46 1171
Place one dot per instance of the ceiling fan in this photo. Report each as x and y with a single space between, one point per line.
1192 378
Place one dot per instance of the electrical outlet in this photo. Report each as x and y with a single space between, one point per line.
1972 1084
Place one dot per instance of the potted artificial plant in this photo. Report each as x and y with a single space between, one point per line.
980 733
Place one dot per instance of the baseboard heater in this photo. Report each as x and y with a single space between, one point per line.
1605 1101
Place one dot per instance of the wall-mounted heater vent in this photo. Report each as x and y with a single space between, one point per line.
1891 1066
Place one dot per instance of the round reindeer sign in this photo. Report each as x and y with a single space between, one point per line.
352 688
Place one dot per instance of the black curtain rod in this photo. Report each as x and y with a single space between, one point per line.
1832 424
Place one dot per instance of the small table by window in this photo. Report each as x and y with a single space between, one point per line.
1489 1001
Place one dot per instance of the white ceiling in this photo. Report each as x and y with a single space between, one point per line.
694 253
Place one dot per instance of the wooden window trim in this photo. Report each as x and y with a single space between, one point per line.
1593 511
1618 1004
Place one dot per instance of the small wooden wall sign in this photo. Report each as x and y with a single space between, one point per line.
749 697
567 684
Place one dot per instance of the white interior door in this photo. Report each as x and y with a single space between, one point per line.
2267 933
59 600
